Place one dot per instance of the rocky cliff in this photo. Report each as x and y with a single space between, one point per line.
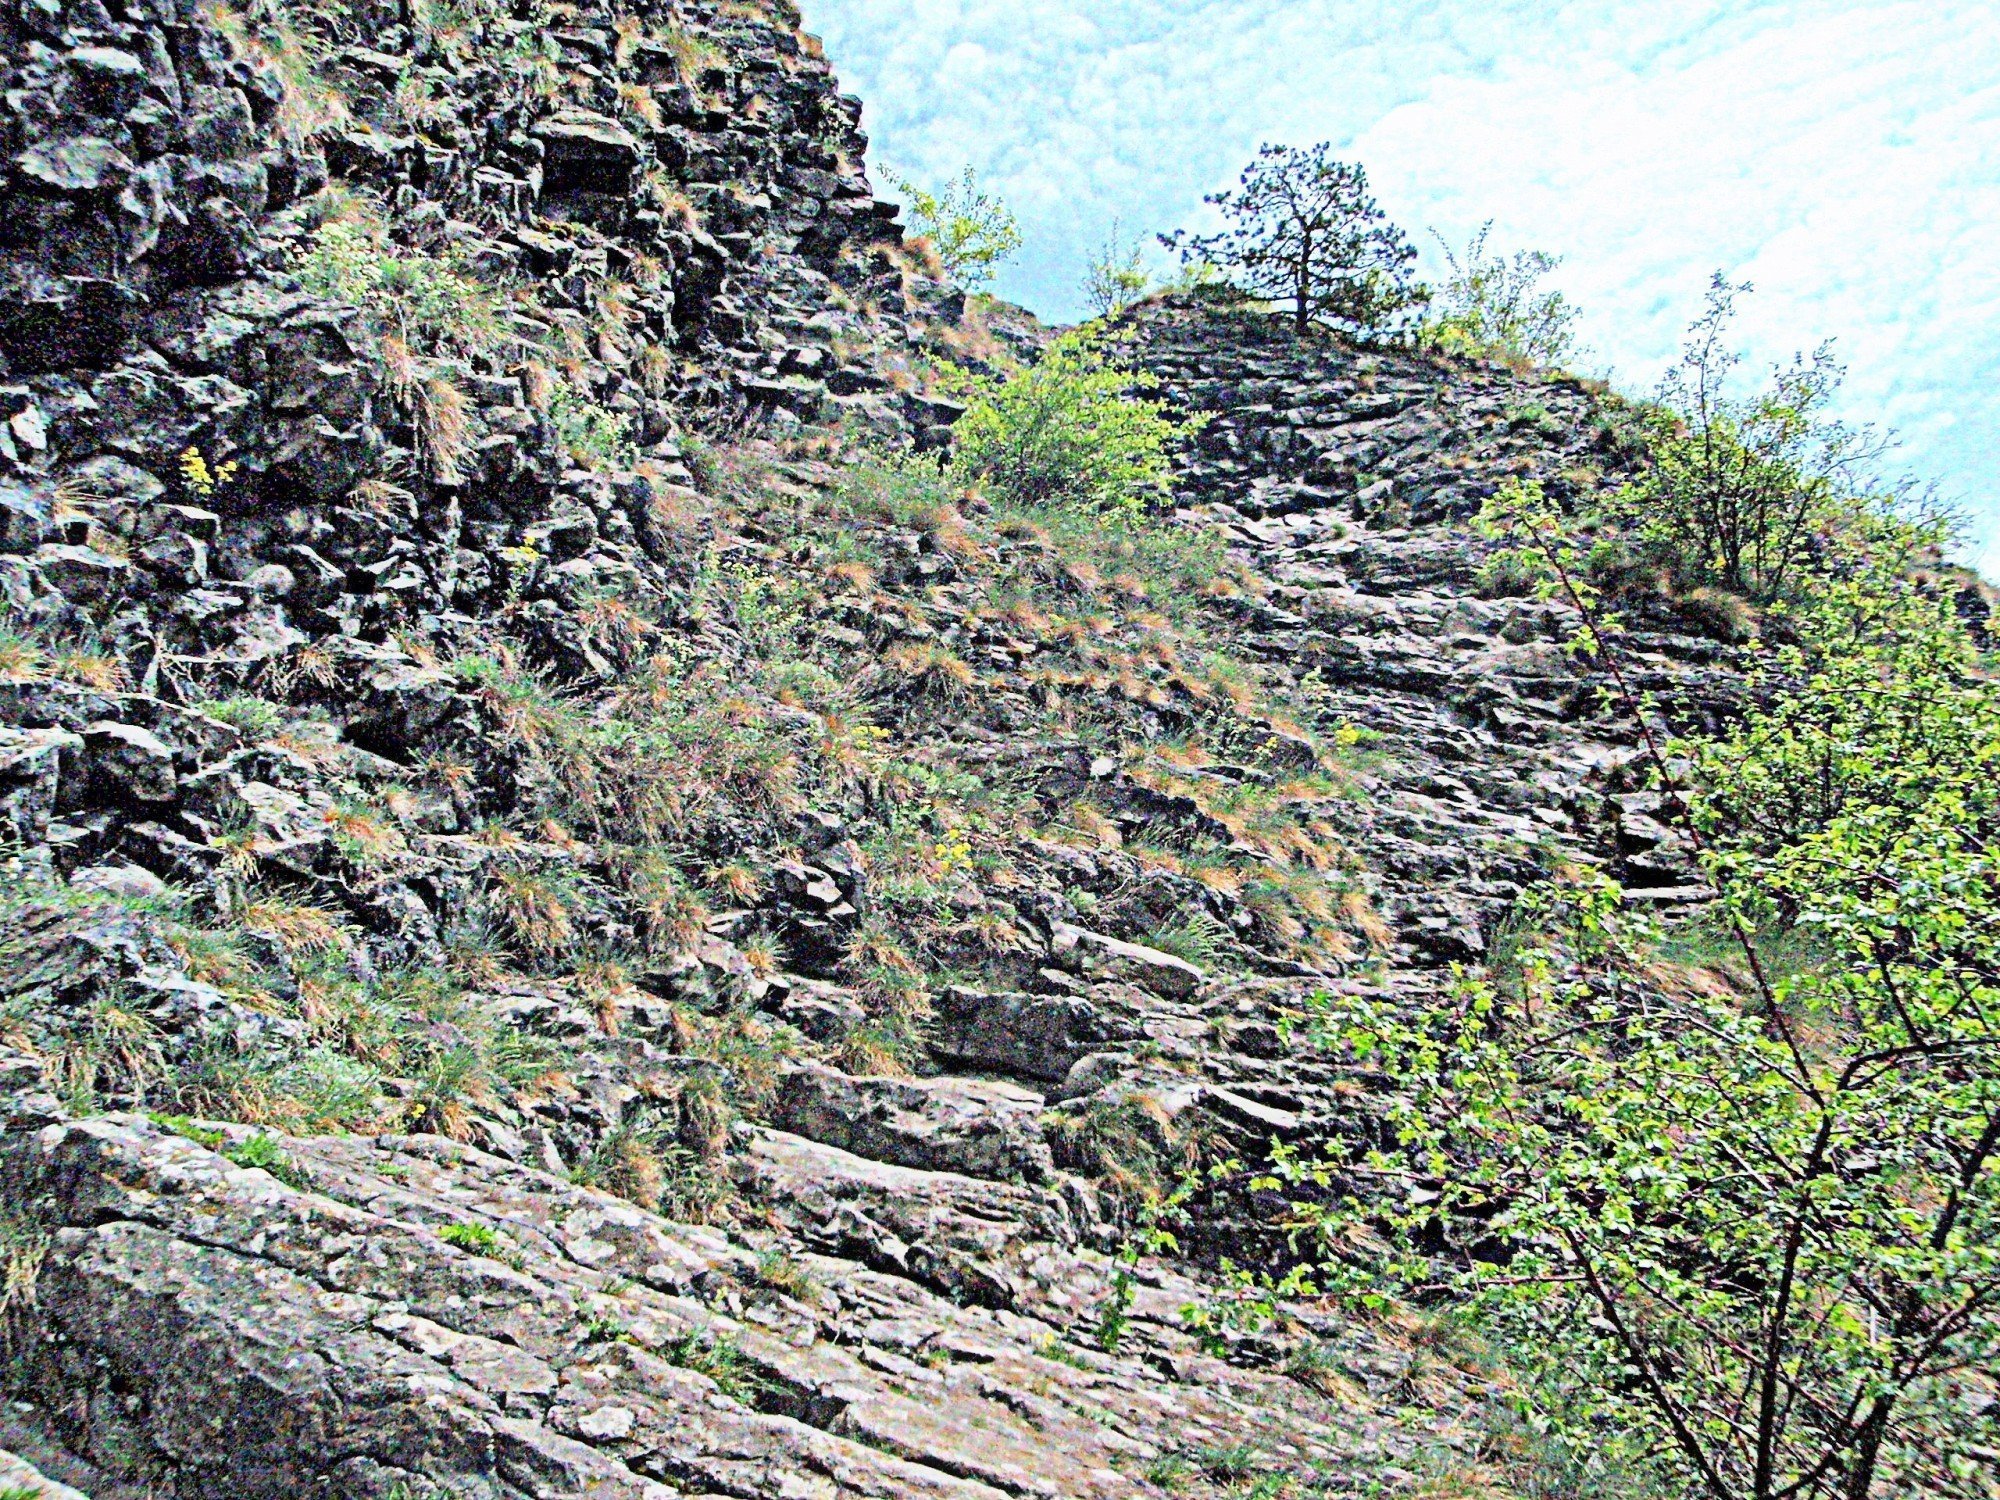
576 926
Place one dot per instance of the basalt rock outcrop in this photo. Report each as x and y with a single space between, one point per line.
576 923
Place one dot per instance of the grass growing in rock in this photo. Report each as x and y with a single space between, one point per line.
851 646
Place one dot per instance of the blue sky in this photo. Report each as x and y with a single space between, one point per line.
1842 155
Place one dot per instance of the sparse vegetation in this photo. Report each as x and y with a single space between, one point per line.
478 1239
717 1356
1116 275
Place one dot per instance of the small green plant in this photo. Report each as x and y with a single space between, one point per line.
1054 1348
1116 1314
478 1239
603 1327
1197 937
595 436
1247 1302
264 1154
1225 1463
1170 1471
253 718
418 297
719 1358
785 1273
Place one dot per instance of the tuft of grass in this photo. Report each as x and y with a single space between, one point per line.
24 1246
784 1273
603 1327
1196 937
264 1154
1225 1463
479 1239
719 1358
1318 1368
182 1126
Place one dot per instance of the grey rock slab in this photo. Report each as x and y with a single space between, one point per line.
131 761
1093 953
978 1127
1033 1036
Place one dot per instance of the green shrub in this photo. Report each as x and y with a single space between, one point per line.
420 297
264 1154
1755 493
1068 430
1116 275
971 231
254 718
1491 305
717 1356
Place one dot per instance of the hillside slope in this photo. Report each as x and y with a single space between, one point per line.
576 925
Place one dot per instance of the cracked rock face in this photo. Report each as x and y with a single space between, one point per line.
273 650
205 1328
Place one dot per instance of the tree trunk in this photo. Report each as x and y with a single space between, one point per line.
1302 288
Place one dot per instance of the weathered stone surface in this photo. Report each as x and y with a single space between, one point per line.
1093 953
970 1126
331 643
329 1339
1033 1036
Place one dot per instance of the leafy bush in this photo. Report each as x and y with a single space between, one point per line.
1068 431
1304 230
255 718
1490 305
264 1154
1745 1218
1116 276
971 231
1752 493
476 1239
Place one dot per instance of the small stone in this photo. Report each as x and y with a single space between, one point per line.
76 164
126 882
273 580
130 761
607 1423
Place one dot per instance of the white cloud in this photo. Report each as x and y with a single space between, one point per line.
1842 154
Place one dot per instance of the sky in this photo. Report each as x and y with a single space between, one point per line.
1843 156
